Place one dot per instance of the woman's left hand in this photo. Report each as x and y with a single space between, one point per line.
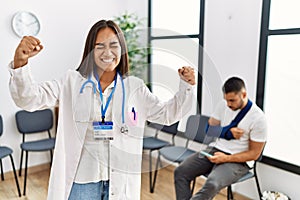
187 73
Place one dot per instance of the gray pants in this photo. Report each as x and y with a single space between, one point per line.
220 176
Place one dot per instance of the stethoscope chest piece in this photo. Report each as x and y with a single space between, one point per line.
124 129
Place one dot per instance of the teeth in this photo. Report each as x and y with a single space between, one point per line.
107 60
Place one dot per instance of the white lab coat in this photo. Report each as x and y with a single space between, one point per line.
74 115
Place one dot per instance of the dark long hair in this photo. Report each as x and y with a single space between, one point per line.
88 62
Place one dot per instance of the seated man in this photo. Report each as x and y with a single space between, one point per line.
241 139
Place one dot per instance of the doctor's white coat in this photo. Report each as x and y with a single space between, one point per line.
75 111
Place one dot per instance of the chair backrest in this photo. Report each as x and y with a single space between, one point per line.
34 122
172 129
260 157
1 125
196 129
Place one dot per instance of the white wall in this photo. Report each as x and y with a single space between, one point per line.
64 26
231 42
232 31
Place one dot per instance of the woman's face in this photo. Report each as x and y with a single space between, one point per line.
107 51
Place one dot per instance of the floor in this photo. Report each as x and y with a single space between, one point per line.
37 184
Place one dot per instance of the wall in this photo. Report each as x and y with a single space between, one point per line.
64 26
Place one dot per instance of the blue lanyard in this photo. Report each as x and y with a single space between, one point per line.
104 109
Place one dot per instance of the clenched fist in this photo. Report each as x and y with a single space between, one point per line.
237 132
187 74
28 47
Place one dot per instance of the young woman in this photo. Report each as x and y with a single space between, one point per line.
102 113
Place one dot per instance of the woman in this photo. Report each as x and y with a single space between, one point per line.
102 115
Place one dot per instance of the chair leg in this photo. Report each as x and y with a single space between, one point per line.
15 174
2 174
21 162
193 186
155 172
51 156
150 172
160 164
25 177
229 193
257 184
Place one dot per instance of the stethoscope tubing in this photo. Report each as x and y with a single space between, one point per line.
89 81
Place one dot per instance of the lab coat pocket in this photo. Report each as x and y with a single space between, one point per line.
132 117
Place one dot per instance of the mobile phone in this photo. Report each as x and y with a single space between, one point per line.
206 154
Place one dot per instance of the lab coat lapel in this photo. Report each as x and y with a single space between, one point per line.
83 108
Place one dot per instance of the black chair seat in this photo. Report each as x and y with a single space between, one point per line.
154 143
40 145
176 153
5 151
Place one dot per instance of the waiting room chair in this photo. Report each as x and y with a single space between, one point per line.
195 131
32 123
4 152
154 143
251 174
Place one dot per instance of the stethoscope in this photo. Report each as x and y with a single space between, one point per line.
124 128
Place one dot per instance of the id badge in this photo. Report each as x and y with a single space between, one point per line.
103 130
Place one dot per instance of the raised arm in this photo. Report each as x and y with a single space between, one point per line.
26 93
27 48
174 109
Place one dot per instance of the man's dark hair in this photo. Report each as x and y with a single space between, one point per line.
233 84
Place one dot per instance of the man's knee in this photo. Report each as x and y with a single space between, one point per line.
183 172
179 172
213 184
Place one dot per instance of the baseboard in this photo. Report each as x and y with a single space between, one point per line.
30 170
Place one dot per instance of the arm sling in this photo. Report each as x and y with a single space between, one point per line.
224 131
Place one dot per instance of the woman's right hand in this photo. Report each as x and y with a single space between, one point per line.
28 47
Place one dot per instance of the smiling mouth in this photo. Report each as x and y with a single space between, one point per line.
107 60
